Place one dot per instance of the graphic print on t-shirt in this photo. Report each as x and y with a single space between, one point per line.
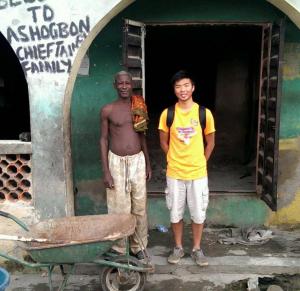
185 134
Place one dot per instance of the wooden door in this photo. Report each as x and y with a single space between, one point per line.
269 113
133 53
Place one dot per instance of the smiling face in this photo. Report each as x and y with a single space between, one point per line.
123 85
184 89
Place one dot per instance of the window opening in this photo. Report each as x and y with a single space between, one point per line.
14 101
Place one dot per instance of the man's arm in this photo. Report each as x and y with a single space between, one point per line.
210 144
164 141
107 178
146 154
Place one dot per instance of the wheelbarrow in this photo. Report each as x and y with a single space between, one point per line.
82 239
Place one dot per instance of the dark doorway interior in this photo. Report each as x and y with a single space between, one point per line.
225 62
14 102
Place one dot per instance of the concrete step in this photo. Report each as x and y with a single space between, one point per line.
230 265
217 265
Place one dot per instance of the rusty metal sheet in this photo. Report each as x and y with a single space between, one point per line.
81 229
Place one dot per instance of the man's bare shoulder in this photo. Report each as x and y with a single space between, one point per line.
106 109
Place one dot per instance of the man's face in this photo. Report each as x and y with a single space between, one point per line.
123 85
184 89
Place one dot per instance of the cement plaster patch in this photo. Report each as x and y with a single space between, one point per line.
237 252
288 178
15 147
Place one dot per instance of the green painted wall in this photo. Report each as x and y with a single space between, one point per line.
290 123
93 91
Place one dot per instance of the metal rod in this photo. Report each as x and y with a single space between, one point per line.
15 219
66 278
50 269
27 264
123 266
144 250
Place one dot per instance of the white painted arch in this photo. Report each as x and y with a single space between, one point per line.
289 7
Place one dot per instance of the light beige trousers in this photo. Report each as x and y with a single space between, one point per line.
129 195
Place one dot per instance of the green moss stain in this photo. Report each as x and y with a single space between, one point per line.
90 94
86 206
229 10
237 211
157 212
290 108
232 210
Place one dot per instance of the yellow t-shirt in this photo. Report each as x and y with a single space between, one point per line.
185 158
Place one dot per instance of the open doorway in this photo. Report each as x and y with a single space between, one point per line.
238 72
225 62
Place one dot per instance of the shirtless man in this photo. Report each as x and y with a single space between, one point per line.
125 163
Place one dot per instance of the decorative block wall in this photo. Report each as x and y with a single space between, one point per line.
15 178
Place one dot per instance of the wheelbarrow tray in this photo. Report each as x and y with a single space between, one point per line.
77 239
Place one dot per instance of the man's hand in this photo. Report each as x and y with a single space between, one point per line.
148 173
164 141
108 181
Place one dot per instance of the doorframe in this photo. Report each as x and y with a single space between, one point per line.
262 25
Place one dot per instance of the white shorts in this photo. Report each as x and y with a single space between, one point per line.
195 192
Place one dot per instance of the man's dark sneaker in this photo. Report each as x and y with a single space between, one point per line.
139 255
199 258
176 255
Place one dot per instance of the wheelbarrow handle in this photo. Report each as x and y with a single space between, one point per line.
15 219
22 262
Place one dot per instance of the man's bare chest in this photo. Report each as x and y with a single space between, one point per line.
121 118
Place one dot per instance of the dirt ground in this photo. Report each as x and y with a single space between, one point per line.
284 243
243 266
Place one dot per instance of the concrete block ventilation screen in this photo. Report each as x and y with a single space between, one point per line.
15 178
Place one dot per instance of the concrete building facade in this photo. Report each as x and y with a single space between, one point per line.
67 53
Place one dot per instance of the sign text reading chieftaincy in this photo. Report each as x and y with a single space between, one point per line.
47 46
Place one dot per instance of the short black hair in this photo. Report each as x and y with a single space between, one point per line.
182 74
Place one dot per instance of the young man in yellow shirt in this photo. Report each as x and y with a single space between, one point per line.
186 165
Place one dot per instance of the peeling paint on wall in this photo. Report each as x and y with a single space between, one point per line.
289 171
288 183
291 64
288 215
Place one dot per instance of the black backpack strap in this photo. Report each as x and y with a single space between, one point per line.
170 115
202 117
171 112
